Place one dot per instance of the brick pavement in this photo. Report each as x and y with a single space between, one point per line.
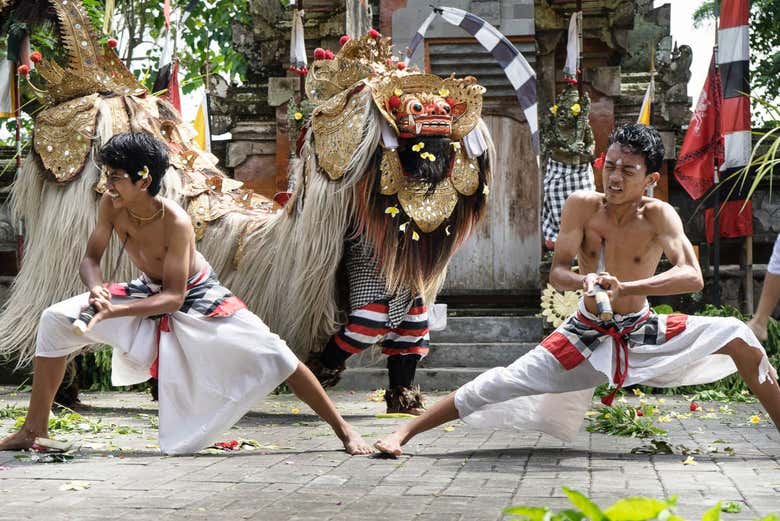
448 475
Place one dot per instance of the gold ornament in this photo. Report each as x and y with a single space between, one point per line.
465 174
427 210
338 129
63 136
392 176
90 69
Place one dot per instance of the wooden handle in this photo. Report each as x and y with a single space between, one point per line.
603 304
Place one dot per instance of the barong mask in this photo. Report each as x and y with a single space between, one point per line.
399 136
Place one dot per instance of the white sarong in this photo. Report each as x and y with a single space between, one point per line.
550 388
212 368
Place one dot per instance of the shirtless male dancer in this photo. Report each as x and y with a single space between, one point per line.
215 359
551 387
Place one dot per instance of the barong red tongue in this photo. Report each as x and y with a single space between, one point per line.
620 337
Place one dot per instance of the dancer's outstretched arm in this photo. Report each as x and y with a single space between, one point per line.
306 387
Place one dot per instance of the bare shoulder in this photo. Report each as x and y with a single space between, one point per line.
584 202
660 213
176 218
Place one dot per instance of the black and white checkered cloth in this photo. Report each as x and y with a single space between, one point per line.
560 180
205 296
367 285
520 74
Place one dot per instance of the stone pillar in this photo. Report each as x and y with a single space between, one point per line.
252 155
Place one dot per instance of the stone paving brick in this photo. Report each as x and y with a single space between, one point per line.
459 474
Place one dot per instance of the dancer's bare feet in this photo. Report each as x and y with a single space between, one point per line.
391 444
24 439
758 328
354 444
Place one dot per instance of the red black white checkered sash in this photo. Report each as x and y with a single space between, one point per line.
576 338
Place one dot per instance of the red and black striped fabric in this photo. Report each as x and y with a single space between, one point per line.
367 326
720 127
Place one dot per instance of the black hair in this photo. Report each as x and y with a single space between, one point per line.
643 140
134 151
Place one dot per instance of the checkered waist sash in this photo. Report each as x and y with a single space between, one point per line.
205 295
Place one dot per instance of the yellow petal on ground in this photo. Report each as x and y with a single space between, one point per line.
638 392
689 461
664 419
755 419
449 428
295 410
383 415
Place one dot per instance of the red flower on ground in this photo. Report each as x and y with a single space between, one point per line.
36 57
24 70
227 445
695 406
639 412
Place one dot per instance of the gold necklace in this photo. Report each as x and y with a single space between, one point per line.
145 220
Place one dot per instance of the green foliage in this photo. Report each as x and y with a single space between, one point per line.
636 508
731 508
205 37
94 370
624 420
12 411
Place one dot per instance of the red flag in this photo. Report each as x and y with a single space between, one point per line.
167 14
174 91
734 221
703 142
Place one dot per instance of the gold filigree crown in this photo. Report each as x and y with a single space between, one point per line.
90 69
357 59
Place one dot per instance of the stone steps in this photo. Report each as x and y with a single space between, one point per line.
471 344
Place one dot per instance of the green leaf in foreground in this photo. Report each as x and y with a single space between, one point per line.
586 506
636 509
528 513
712 514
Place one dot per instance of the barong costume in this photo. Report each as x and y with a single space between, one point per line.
213 357
550 388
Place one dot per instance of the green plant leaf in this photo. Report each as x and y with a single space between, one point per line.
732 507
585 505
568 515
528 513
712 514
635 509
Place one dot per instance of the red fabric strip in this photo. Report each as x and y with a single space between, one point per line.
228 306
366 330
734 13
563 350
675 324
349 348
733 222
416 350
735 114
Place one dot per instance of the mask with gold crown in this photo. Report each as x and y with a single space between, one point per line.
412 143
